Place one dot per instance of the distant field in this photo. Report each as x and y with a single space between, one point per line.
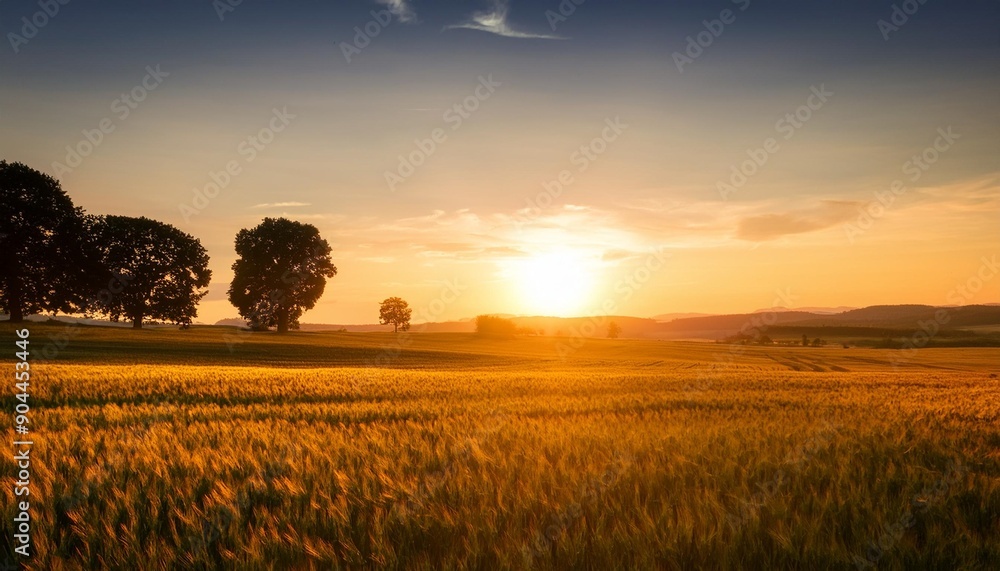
166 449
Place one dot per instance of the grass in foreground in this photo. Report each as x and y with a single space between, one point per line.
485 455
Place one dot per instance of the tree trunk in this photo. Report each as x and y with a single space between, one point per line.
137 322
14 304
395 327
282 320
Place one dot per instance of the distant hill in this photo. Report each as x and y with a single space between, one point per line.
703 326
817 310
728 324
821 310
694 326
673 316
895 317
877 316
911 315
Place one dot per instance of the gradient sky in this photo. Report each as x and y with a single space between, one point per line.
476 213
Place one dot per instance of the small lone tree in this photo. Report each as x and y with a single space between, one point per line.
397 312
47 259
166 269
614 330
280 274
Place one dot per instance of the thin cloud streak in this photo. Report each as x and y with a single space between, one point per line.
280 204
494 21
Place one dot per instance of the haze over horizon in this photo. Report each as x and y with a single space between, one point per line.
658 317
587 169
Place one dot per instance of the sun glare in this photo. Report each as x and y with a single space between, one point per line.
553 283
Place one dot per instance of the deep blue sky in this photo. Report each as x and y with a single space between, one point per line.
95 40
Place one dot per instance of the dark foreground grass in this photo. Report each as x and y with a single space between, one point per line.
457 452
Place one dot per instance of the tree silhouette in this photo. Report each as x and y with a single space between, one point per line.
495 326
397 312
166 270
281 272
614 330
47 260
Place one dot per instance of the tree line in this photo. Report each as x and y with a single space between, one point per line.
55 258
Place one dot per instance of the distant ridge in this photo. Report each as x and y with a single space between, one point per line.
702 326
688 326
673 316
819 310
884 316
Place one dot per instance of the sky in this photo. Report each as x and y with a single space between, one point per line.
537 157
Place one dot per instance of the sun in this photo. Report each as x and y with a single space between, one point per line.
556 283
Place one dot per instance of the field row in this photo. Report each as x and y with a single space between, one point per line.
206 467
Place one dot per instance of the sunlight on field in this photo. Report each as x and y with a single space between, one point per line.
647 463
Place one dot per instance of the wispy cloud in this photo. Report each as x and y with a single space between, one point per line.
977 195
401 9
280 204
828 213
494 21
379 260
616 255
327 217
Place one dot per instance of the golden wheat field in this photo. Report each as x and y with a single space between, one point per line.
167 450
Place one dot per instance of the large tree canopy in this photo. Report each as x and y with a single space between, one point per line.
396 311
280 273
47 260
164 270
